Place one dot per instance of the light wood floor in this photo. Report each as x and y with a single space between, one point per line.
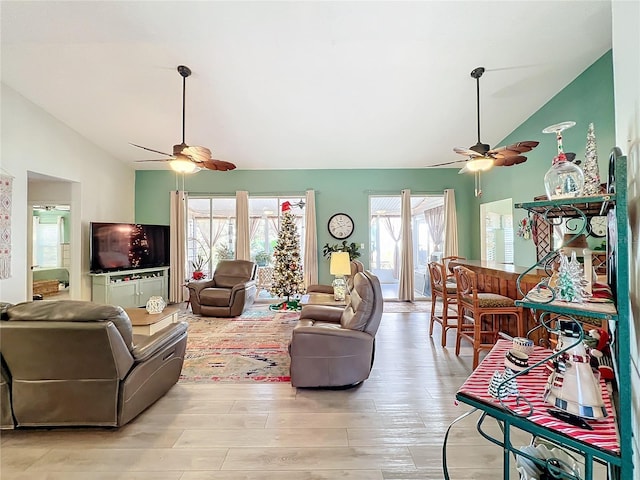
390 427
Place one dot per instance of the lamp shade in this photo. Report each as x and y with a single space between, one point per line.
340 263
182 165
477 164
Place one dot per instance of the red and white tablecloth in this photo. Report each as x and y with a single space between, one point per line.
531 386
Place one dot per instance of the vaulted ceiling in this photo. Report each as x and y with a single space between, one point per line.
284 85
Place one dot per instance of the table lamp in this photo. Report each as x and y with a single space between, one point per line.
340 266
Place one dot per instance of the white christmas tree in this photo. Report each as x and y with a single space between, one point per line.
287 274
571 282
590 167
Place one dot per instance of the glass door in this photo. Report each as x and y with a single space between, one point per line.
386 245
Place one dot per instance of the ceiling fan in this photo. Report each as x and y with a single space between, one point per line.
481 156
185 158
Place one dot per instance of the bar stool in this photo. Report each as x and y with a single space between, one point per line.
473 309
446 291
447 268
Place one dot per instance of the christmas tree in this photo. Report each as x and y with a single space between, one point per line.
287 274
571 281
590 167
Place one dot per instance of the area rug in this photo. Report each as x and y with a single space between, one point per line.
249 348
407 307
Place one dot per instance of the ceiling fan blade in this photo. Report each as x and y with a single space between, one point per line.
221 165
156 160
151 150
509 161
446 163
467 152
513 150
198 154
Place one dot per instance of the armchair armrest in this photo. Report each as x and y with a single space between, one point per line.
320 289
147 346
196 286
322 313
240 287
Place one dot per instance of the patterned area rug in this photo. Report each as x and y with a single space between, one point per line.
249 348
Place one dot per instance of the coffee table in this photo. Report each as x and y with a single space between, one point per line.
145 323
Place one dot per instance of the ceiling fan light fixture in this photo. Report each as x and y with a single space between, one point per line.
182 165
479 164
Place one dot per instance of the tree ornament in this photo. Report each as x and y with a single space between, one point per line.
590 167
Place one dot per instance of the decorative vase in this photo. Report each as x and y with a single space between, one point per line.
155 305
564 179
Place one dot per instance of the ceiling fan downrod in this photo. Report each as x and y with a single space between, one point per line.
477 73
184 71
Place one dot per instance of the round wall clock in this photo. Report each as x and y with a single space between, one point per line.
598 227
340 226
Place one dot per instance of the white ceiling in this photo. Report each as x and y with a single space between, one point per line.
283 85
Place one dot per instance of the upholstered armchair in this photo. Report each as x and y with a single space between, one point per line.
356 266
231 290
333 347
76 363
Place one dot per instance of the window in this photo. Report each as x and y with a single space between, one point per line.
385 222
496 231
211 231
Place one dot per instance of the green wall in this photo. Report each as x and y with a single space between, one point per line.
589 98
336 191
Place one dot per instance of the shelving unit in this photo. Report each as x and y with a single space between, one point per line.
130 288
617 457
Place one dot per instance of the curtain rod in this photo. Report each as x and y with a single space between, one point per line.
397 192
260 194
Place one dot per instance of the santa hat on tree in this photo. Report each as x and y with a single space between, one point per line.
286 206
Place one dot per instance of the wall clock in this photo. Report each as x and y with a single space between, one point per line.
598 227
340 226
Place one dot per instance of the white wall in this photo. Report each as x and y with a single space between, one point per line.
626 67
102 188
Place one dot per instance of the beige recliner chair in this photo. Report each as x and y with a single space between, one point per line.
356 266
333 347
77 363
232 289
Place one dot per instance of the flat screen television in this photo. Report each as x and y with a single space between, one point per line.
128 246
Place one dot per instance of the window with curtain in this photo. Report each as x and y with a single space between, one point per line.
264 225
211 228
47 242
211 231
386 248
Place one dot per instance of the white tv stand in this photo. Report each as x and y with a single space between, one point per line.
130 288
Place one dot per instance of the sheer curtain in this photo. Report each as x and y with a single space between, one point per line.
450 224
434 218
405 290
243 248
395 235
178 246
310 261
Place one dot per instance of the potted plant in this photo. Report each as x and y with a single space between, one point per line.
197 265
263 258
351 248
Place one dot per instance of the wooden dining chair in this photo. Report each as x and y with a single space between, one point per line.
480 314
446 292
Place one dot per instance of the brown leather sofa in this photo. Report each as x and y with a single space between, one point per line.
356 266
68 363
231 290
334 347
